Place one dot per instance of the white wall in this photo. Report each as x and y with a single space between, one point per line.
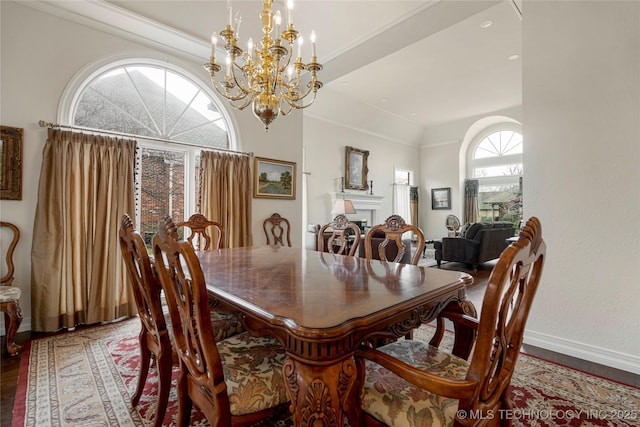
439 165
581 128
442 166
40 54
581 74
581 117
325 144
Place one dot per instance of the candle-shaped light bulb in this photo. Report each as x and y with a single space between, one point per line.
230 16
290 12
300 42
238 21
313 43
250 47
214 44
278 20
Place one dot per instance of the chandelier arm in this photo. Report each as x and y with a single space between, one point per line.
283 68
238 83
288 110
244 104
300 106
229 96
291 99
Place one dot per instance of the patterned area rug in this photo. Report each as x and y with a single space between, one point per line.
86 377
429 258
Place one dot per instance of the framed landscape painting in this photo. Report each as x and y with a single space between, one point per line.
441 198
274 179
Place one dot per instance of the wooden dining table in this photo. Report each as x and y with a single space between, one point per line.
322 307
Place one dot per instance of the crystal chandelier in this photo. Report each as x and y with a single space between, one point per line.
267 77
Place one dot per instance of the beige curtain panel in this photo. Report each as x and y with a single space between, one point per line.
226 195
471 204
78 275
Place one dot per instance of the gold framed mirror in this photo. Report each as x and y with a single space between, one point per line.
356 169
11 163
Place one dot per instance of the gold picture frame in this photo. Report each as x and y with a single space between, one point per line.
274 179
356 169
11 163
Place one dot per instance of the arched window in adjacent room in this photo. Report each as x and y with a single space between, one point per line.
494 158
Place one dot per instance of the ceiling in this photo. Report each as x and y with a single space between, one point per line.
391 68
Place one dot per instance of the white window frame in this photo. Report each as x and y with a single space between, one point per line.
496 160
78 83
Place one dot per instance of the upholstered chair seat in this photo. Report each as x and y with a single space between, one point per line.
9 294
395 402
252 364
409 383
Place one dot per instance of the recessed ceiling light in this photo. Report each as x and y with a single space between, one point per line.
514 57
486 24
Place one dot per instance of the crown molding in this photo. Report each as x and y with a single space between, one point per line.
112 19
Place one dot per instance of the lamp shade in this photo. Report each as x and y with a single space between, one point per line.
342 206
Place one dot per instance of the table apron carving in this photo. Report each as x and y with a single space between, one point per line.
321 308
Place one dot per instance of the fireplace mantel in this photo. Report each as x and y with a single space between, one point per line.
361 201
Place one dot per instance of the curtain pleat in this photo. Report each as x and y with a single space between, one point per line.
413 205
226 195
471 203
77 271
401 201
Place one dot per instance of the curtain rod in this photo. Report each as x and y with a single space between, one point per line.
43 124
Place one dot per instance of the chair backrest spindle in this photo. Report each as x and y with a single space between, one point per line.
276 229
393 228
199 225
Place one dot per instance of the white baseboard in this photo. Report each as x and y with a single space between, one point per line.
24 326
602 356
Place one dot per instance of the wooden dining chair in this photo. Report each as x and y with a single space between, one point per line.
410 382
276 228
200 228
338 234
10 295
392 229
236 381
154 338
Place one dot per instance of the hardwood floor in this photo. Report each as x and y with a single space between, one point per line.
10 366
475 294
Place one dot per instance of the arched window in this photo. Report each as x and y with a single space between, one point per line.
159 103
494 158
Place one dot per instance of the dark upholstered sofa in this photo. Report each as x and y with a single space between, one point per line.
478 242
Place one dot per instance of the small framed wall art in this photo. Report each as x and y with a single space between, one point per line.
274 179
441 198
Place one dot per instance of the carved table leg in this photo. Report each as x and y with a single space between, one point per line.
12 320
320 395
